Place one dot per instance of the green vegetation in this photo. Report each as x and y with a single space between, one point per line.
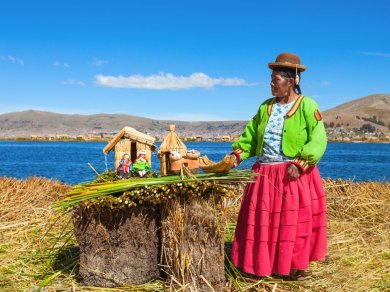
374 120
367 128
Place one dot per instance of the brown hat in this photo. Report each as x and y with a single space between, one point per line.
287 60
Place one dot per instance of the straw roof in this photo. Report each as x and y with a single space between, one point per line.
132 134
172 142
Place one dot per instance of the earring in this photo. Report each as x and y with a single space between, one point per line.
296 75
297 79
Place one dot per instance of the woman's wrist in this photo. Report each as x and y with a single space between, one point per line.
301 163
237 153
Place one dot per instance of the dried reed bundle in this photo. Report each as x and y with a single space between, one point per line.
193 236
29 241
155 188
359 237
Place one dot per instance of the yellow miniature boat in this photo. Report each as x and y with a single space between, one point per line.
224 165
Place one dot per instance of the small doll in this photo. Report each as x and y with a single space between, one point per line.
142 165
125 166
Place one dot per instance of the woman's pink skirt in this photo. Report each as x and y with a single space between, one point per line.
282 222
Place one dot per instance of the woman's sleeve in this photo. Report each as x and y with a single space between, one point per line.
245 146
315 147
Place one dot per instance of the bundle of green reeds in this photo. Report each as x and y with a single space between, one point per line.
134 191
111 175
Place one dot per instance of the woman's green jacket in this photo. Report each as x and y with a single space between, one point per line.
303 138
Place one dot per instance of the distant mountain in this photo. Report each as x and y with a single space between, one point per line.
373 109
32 122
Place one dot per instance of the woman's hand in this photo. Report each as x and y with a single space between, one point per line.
293 171
234 158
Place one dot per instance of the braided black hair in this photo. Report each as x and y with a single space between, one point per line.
288 73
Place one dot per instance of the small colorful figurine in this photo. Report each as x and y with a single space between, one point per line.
142 165
125 166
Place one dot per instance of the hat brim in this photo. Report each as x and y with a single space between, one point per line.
277 65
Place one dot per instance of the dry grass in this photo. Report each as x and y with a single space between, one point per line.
25 217
359 238
30 255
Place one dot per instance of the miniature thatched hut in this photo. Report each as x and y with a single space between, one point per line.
130 141
173 155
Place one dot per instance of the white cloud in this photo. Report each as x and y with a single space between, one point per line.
74 82
99 63
12 59
325 83
376 54
168 81
60 64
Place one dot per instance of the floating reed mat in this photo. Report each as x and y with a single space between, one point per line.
129 231
38 251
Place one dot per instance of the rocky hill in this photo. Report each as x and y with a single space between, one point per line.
367 114
39 123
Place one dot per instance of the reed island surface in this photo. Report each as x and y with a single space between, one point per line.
40 249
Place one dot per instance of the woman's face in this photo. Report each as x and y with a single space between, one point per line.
280 86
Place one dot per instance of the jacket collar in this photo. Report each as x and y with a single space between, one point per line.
293 109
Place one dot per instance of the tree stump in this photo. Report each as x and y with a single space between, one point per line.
117 246
192 239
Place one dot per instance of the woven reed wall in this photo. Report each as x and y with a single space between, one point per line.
122 147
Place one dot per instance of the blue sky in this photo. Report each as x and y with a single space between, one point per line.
186 60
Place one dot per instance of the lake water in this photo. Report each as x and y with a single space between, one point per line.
67 161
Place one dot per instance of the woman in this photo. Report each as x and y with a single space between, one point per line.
281 225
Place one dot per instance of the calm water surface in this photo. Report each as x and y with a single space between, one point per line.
67 161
